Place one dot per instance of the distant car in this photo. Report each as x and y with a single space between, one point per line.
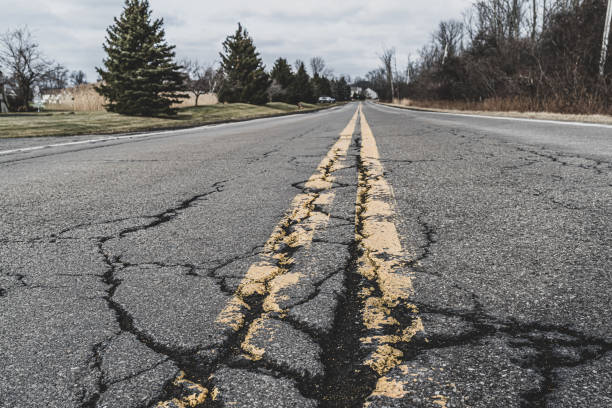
326 99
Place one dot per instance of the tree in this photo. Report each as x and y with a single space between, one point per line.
282 73
387 58
25 66
282 76
321 86
78 78
55 78
448 38
140 76
300 89
317 65
200 79
341 89
245 79
3 102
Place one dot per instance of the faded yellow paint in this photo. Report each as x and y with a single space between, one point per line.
325 199
173 403
197 394
253 352
264 277
233 313
376 315
256 278
365 292
383 264
440 400
384 359
319 183
390 388
279 283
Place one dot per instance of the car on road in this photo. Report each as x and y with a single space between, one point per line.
326 99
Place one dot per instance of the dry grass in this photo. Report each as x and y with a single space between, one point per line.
207 99
500 107
102 122
84 98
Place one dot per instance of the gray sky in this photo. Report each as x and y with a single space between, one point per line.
347 34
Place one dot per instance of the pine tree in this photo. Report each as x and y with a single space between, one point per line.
341 89
300 89
321 86
282 73
245 78
140 76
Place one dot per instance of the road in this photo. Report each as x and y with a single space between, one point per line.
364 256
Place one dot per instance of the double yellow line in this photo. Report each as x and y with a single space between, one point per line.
381 263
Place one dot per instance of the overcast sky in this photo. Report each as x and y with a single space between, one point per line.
347 34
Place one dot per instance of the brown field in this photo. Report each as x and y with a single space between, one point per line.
84 98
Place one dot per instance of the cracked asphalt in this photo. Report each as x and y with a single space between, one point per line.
363 256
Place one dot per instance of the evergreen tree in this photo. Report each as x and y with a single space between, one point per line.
300 89
245 79
140 75
321 86
341 89
282 73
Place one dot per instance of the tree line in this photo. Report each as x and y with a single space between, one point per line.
529 54
141 76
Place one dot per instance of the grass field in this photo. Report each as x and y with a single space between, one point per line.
76 123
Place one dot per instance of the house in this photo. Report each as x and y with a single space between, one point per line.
369 93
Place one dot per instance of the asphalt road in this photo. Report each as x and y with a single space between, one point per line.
353 257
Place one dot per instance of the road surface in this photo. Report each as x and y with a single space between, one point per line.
364 256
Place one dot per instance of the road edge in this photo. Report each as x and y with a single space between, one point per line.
193 126
498 115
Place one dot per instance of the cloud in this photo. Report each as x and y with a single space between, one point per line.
347 34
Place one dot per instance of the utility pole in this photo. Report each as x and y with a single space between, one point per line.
606 38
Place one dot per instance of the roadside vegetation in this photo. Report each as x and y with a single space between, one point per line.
507 55
102 122
143 87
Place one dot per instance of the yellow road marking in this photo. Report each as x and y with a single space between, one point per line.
382 263
388 387
270 275
195 394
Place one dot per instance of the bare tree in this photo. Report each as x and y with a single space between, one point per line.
387 58
25 65
3 102
56 77
317 65
78 78
448 38
606 38
201 79
298 62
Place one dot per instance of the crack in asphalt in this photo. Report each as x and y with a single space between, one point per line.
232 353
544 339
95 364
123 317
347 382
139 372
557 157
431 238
